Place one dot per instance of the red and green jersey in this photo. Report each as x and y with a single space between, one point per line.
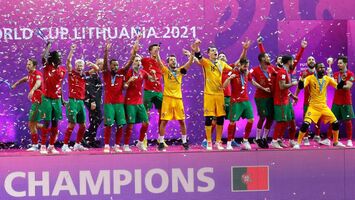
52 81
134 91
77 85
239 86
281 95
343 96
308 72
32 78
113 82
148 65
263 78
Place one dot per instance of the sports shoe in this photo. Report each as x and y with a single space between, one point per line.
316 138
161 147
296 146
246 145
293 143
52 150
349 143
339 144
325 142
306 141
117 149
43 150
79 147
219 146
107 148
126 148
204 144
65 148
276 145
259 142
229 145
282 144
186 146
34 147
165 145
141 146
235 144
209 146
266 145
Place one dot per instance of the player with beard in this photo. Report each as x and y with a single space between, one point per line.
35 80
283 110
318 107
173 107
308 72
114 111
240 104
342 101
135 109
52 99
75 109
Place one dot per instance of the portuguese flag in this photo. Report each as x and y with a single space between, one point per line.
250 178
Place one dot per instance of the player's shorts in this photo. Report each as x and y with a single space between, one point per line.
241 110
152 97
305 108
76 111
265 107
227 101
283 113
51 109
114 113
214 105
34 115
314 113
136 114
172 109
343 112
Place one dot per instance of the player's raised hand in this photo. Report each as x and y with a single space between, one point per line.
246 43
186 52
108 45
260 39
196 45
304 43
73 47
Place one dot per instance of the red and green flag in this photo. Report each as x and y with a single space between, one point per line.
250 178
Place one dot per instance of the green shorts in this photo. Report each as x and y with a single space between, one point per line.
136 114
76 111
227 101
114 113
265 107
343 112
241 109
34 115
51 109
283 113
152 97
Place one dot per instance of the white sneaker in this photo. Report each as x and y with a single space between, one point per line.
107 148
140 145
51 149
339 144
65 148
325 142
79 147
293 143
219 146
296 146
349 143
282 144
209 146
43 150
126 148
276 145
229 145
34 147
306 141
117 149
246 145
316 138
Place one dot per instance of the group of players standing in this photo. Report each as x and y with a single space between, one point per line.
225 97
